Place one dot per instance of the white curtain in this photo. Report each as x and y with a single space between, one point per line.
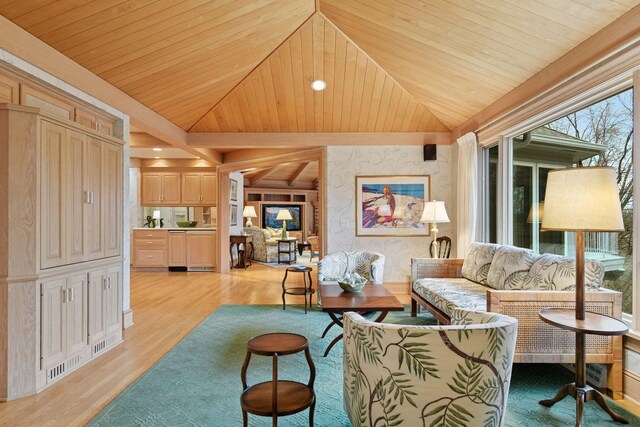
467 194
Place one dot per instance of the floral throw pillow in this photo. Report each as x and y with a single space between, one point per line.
557 273
510 267
476 264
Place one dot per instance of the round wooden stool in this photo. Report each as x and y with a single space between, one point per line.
277 397
306 290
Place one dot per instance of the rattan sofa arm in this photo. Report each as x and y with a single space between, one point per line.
435 268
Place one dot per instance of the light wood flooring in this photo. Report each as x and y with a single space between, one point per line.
166 307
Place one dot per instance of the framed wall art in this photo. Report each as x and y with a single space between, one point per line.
391 205
233 214
233 190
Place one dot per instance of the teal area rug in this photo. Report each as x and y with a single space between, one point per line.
198 382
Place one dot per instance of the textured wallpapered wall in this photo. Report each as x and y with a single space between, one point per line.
344 163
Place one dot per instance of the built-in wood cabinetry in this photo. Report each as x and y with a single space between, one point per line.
81 193
199 189
161 248
179 188
61 207
9 90
161 189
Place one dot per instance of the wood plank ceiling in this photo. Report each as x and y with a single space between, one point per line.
298 174
277 95
246 65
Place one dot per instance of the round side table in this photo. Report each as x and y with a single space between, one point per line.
277 397
306 290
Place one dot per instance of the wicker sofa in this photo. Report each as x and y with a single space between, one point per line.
519 282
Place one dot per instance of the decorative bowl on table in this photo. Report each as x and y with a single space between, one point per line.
352 283
189 224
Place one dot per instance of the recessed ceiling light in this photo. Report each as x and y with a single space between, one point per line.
157 149
157 157
197 157
318 85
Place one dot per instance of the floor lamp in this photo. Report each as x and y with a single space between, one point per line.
580 200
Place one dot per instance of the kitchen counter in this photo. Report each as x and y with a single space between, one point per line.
177 228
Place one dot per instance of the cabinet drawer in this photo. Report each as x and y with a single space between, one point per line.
150 242
150 234
150 257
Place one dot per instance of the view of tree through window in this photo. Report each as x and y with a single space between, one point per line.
599 135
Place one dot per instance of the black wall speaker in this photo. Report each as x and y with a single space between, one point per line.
430 152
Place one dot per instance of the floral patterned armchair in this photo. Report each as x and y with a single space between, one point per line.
265 246
429 375
367 264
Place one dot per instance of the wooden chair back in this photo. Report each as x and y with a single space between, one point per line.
444 247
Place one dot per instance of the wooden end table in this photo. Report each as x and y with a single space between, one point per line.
277 397
287 247
306 290
374 297
594 324
244 259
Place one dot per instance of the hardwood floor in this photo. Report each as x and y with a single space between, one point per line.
166 307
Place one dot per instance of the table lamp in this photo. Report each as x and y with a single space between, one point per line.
284 215
249 212
434 212
583 199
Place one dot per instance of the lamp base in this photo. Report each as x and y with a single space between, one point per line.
248 223
434 243
582 395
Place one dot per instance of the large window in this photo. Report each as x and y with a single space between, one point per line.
602 135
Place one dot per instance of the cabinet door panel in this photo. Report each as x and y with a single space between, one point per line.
171 189
52 195
112 198
94 211
9 90
52 321
112 300
191 192
77 196
209 189
151 189
200 249
177 249
76 314
97 286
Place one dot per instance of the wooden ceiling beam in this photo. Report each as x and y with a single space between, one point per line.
302 140
299 173
602 44
263 174
144 140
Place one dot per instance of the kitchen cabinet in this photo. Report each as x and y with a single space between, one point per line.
81 192
161 189
150 248
201 249
199 189
177 248
63 322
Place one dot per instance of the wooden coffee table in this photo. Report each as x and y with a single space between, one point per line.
374 297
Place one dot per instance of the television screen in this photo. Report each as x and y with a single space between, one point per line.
270 212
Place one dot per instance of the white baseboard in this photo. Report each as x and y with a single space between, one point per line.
127 319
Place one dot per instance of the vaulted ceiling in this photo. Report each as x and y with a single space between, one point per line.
247 65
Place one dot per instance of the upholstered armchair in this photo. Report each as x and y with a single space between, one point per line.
265 247
429 375
367 264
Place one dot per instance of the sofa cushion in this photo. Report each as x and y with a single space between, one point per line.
476 264
448 294
557 273
510 267
274 232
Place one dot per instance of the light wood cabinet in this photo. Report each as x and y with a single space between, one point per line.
40 98
201 249
177 248
63 319
95 121
150 248
105 306
81 189
199 189
161 189
9 90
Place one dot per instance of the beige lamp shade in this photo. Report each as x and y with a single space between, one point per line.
582 199
284 214
434 211
250 212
